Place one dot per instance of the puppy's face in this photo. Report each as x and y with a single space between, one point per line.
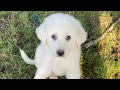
59 43
61 33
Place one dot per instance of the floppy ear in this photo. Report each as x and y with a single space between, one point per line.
82 36
40 32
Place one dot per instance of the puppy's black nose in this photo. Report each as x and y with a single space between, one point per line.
60 52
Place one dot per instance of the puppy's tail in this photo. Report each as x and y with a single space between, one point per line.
26 58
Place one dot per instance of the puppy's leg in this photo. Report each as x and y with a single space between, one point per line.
41 74
73 75
52 76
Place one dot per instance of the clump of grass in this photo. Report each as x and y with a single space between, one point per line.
14 67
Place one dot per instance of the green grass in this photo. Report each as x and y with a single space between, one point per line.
18 31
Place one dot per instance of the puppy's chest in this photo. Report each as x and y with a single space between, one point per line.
58 67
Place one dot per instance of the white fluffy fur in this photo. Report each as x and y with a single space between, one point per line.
48 63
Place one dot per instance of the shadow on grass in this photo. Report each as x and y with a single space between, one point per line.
92 61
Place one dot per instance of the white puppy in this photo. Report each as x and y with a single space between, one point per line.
59 52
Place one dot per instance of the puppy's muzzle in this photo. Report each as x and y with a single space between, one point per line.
60 52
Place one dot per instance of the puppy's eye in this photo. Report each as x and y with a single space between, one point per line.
68 38
54 37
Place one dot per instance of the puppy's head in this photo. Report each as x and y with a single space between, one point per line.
62 33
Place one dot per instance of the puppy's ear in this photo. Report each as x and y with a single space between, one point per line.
82 36
40 32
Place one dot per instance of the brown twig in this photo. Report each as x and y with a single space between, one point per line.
93 42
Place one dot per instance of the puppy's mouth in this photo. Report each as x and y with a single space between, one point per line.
60 56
